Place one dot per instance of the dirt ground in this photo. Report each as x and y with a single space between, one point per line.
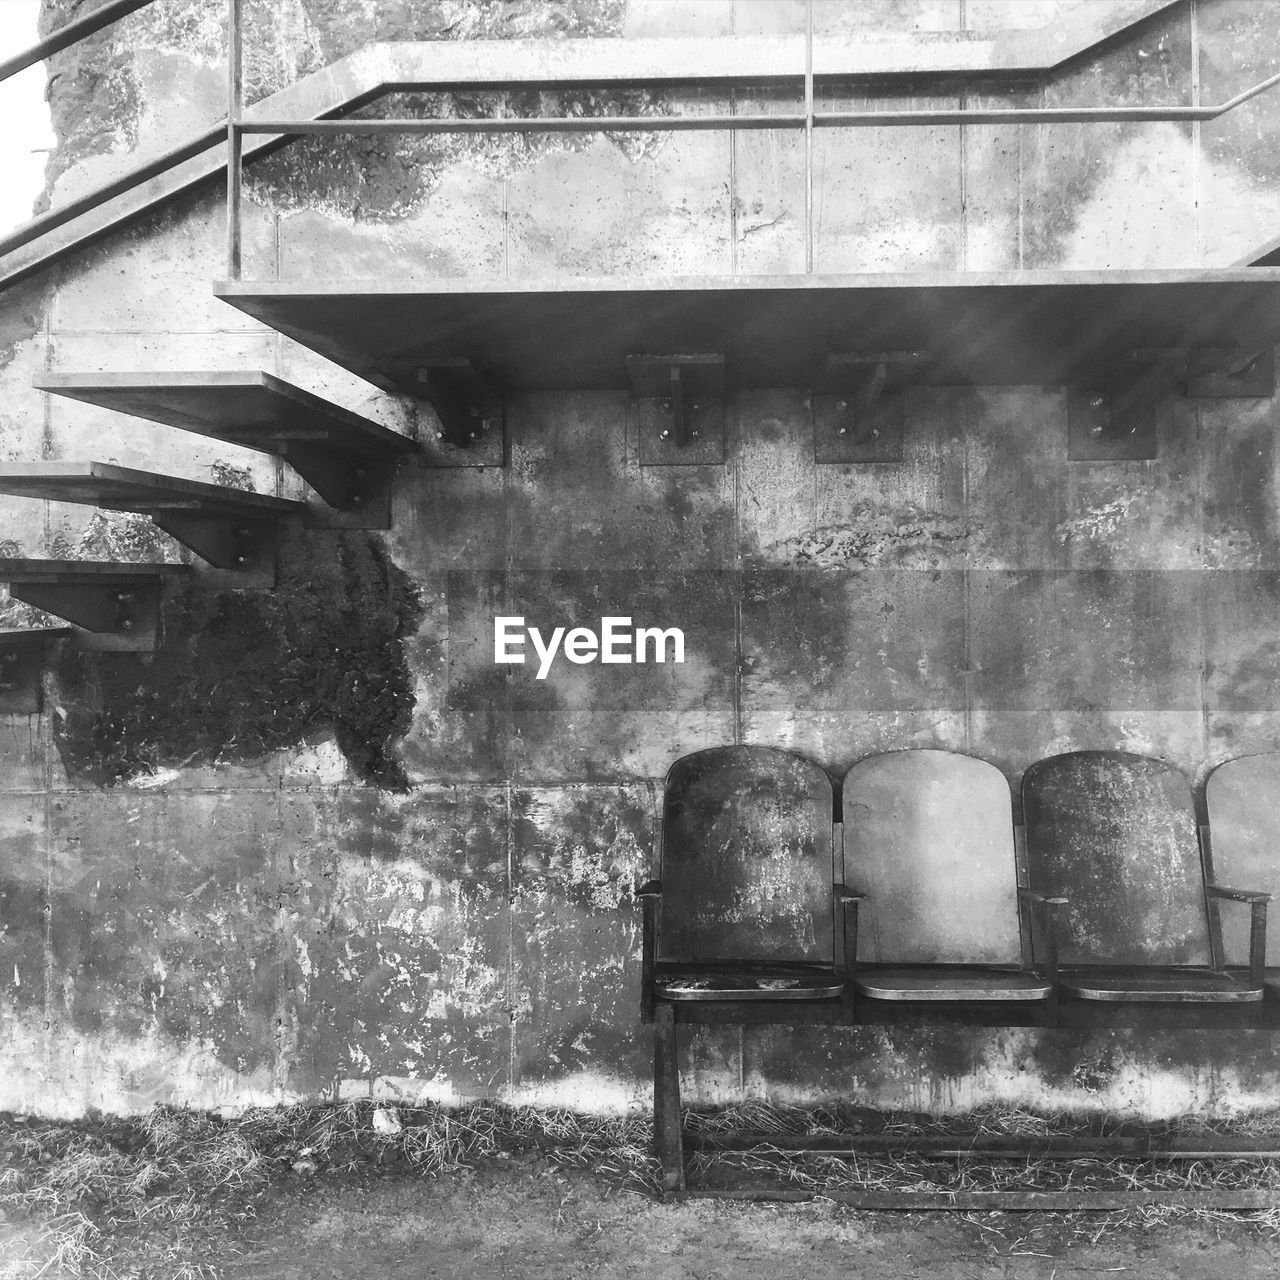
517 1220
330 1192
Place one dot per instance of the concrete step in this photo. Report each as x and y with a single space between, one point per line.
228 528
345 457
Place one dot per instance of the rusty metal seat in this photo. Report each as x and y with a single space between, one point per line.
1115 834
929 848
744 922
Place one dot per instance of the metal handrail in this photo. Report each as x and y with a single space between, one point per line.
236 127
56 41
68 212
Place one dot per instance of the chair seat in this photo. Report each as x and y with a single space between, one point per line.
730 982
1173 985
946 982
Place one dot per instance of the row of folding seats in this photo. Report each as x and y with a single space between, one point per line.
924 887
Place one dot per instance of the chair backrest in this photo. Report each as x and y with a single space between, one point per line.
747 866
1243 800
928 836
1116 834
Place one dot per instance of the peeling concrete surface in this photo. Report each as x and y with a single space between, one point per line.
203 899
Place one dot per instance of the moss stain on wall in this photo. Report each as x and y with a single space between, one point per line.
240 674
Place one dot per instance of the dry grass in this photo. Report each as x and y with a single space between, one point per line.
114 1199
117 1199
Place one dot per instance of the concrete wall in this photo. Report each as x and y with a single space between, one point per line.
227 878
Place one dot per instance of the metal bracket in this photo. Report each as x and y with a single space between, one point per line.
857 415
1227 372
358 489
117 616
1113 416
470 409
21 666
681 401
245 548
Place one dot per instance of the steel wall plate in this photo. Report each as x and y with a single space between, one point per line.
706 429
857 403
460 414
22 659
1096 432
681 408
838 438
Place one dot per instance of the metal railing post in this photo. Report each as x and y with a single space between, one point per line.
235 139
808 135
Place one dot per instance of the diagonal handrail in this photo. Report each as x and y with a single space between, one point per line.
73 209
65 36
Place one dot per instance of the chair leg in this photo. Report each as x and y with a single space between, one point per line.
666 1101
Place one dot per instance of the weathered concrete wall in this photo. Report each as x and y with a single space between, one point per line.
233 876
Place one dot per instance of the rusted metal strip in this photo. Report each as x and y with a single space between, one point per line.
1065 1147
1073 1201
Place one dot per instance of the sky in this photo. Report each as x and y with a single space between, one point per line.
25 131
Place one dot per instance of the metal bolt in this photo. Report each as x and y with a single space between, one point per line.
123 597
875 433
842 404
126 624
695 406
439 435
664 435
357 499
693 435
842 431
242 560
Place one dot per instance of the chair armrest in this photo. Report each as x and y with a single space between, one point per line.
650 889
1046 899
1257 903
1045 911
1236 895
848 900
